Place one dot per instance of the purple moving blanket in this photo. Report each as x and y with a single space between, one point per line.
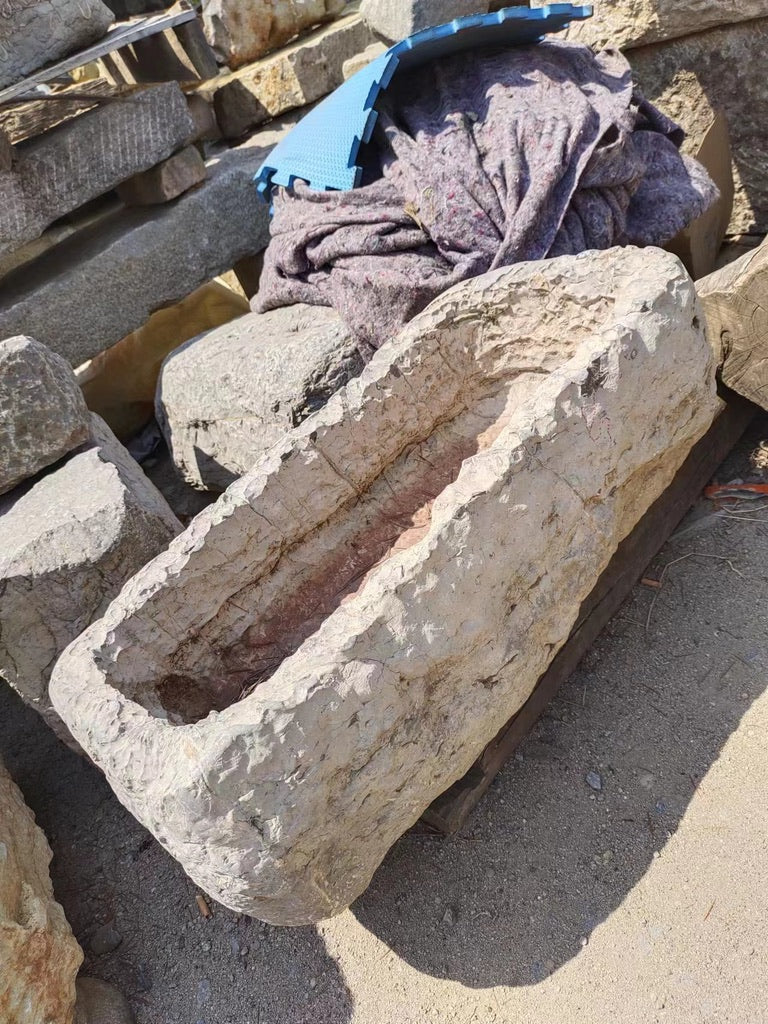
483 160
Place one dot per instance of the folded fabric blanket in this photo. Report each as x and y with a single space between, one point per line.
482 160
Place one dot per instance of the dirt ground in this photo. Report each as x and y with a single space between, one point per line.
644 901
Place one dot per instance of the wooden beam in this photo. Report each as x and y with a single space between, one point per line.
735 301
120 35
450 811
28 119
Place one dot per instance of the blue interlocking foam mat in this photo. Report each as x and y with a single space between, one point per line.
324 147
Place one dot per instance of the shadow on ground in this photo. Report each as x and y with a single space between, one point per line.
542 862
546 858
175 966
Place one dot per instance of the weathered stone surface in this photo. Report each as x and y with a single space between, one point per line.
629 23
39 956
140 260
367 606
88 156
224 398
68 543
698 245
42 412
362 60
38 32
120 384
203 118
396 19
735 301
691 78
167 180
241 31
297 75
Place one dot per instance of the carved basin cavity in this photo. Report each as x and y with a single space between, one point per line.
329 647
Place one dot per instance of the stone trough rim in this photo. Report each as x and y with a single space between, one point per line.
157 741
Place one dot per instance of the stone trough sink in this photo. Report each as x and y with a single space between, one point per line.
282 693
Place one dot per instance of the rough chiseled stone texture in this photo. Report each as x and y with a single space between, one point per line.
397 19
38 32
629 23
243 30
68 543
294 77
165 181
39 956
42 412
224 398
141 260
691 78
86 157
735 302
331 645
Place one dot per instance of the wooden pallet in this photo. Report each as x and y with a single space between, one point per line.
450 811
128 51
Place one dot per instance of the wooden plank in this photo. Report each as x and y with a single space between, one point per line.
120 35
57 172
26 119
450 811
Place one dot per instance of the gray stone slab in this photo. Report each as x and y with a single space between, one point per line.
140 260
630 23
43 415
68 542
397 19
722 69
166 181
293 77
35 32
225 397
244 30
62 169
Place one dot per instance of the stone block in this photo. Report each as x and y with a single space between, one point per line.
224 398
120 384
88 156
362 60
334 642
244 30
203 118
625 24
167 180
33 34
735 301
39 956
68 542
297 75
141 259
43 416
691 79
396 19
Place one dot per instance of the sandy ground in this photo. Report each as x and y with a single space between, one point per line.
645 901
